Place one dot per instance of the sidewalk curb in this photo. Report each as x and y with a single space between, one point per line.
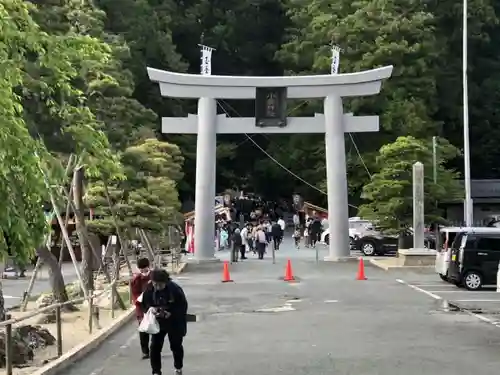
386 267
78 352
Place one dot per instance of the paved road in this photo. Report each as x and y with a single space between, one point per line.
13 289
328 323
484 304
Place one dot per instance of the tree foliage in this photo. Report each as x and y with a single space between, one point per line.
148 198
22 184
389 193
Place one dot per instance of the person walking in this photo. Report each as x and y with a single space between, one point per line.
296 237
296 219
267 229
245 246
276 233
137 287
282 225
307 232
169 304
237 243
252 239
260 241
315 232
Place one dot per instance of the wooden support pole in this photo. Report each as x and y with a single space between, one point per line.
86 238
121 239
31 284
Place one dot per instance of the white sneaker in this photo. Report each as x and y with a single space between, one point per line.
178 372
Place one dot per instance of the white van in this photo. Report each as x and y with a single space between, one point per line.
443 255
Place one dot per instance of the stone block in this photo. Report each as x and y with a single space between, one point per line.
417 257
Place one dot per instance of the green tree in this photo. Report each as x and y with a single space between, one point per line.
24 49
22 185
59 65
148 198
166 34
483 80
372 34
389 194
107 87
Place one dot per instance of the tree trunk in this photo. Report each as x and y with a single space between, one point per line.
87 264
56 278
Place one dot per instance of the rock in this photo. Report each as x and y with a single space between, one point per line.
73 290
47 318
44 300
25 339
36 337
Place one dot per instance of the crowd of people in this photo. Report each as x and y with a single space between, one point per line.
309 231
256 238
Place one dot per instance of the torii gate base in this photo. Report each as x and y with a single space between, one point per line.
334 123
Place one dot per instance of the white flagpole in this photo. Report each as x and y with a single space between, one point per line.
469 207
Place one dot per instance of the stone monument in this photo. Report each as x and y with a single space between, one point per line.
419 255
418 206
271 94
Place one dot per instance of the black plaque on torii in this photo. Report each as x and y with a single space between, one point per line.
270 107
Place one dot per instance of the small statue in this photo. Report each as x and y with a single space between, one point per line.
271 105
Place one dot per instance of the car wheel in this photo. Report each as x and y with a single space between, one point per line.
368 248
443 277
351 242
473 280
327 239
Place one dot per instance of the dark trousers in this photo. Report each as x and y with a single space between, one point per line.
314 238
234 253
276 242
175 341
144 340
261 249
243 250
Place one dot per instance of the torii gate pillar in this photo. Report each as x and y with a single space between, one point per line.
207 124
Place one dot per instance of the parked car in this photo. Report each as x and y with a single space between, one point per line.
374 242
475 255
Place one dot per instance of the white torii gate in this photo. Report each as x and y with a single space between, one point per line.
206 124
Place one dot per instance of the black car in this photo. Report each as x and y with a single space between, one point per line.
378 243
475 255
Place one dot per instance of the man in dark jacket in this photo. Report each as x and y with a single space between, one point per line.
168 302
315 230
137 286
277 235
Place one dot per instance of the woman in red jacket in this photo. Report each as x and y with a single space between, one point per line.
137 286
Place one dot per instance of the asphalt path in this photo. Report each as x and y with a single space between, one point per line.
326 323
13 289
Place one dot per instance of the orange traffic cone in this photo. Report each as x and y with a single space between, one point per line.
225 274
289 272
361 270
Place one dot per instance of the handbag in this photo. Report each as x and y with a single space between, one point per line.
149 324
